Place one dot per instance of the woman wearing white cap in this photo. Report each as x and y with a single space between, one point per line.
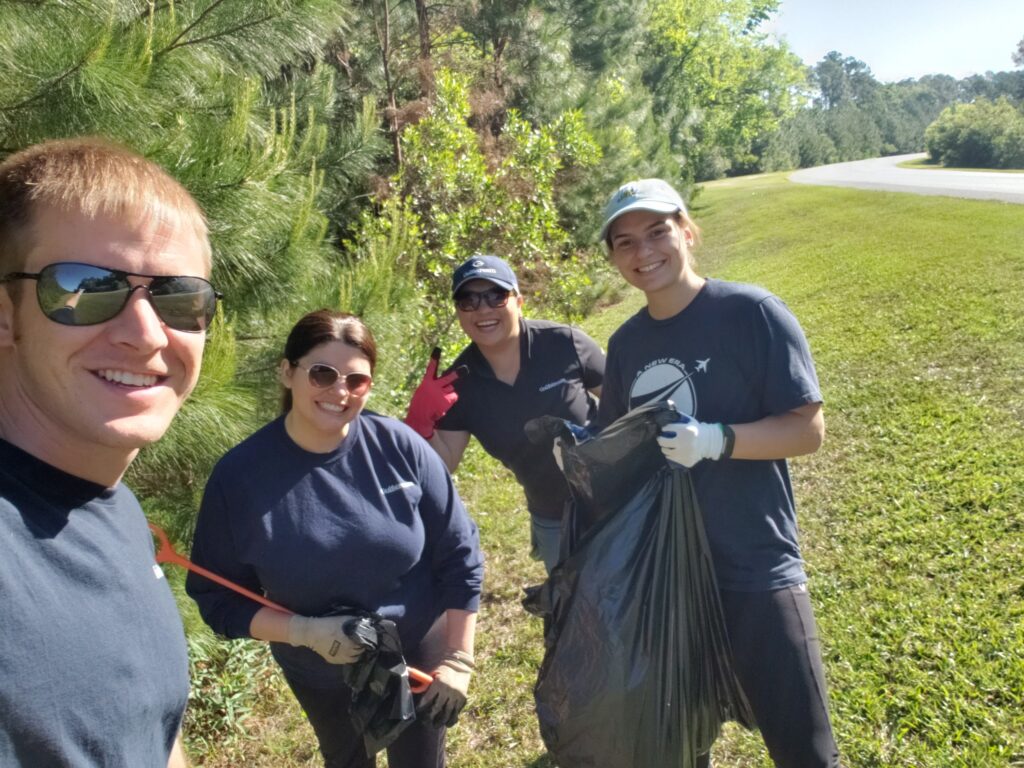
517 370
735 362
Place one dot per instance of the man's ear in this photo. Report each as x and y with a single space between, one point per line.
6 318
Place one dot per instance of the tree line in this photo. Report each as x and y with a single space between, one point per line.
849 115
986 131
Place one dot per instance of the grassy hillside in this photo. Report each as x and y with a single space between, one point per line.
911 514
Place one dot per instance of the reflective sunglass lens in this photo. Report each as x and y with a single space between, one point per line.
323 376
357 383
496 298
184 303
81 294
470 300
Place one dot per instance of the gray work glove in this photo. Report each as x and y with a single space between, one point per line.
325 635
442 702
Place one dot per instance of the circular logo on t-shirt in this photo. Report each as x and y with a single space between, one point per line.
664 380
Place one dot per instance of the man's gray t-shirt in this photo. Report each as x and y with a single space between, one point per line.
736 354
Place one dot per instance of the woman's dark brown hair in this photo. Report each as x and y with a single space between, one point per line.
320 327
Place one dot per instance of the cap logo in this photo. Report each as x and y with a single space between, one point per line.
628 191
478 263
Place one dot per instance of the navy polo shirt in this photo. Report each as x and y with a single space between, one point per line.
558 364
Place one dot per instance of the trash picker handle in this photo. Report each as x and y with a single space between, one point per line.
419 681
167 554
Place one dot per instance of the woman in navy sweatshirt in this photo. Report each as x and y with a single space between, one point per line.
331 505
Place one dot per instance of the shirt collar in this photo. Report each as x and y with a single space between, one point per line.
478 363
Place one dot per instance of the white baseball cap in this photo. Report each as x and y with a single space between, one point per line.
653 195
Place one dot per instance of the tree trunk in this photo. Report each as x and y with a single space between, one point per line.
383 27
426 64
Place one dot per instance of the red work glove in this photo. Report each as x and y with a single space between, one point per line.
433 397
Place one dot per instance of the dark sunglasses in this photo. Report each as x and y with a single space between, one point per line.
469 301
70 293
323 376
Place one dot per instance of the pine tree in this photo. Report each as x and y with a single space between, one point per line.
230 98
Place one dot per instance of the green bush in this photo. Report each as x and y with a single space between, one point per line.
494 194
984 134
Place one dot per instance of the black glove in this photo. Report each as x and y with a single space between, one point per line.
445 698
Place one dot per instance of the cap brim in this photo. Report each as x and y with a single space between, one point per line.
639 205
495 280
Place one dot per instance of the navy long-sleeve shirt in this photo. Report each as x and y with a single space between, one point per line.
375 524
93 661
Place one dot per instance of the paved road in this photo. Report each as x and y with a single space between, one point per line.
882 173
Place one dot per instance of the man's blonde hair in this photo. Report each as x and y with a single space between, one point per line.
93 176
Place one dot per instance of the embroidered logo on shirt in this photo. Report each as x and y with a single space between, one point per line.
667 379
396 487
552 385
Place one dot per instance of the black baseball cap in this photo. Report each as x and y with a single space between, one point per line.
485 267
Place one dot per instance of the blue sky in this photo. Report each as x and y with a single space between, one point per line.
905 38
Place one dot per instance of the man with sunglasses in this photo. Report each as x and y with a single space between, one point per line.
517 370
104 300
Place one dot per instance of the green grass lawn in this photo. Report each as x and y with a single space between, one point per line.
925 163
912 514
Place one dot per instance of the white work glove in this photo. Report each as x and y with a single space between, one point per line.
325 635
442 702
686 441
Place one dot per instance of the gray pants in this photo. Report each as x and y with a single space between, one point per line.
545 538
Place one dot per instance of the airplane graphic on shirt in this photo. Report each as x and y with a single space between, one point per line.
667 379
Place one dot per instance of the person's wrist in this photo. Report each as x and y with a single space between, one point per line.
710 440
420 422
297 626
422 427
729 436
460 661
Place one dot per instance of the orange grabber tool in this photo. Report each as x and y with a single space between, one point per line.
166 553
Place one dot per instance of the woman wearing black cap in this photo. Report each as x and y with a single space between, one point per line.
518 369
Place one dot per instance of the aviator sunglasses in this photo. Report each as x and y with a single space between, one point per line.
323 376
71 293
469 301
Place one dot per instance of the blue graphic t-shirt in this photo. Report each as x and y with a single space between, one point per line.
735 355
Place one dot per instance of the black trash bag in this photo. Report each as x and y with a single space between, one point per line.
382 704
637 670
